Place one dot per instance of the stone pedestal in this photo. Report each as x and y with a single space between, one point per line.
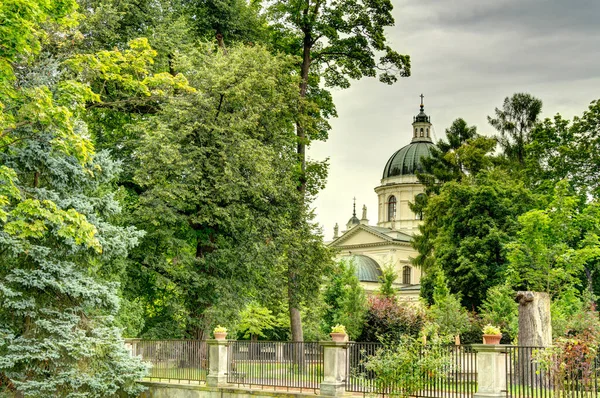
334 367
217 362
491 370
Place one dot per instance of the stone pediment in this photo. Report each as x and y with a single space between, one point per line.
365 235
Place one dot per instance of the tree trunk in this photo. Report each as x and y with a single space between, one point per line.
294 303
535 330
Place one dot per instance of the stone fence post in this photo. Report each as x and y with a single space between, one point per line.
334 368
491 370
217 363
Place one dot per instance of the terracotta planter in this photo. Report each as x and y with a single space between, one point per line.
491 338
220 335
339 336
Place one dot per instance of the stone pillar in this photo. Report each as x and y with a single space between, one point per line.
279 352
217 363
491 370
334 368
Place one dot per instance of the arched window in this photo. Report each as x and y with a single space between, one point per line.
421 131
415 131
391 208
406 275
427 132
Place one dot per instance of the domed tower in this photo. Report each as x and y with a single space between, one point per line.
399 183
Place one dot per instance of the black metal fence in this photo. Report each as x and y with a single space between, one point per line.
456 375
294 365
173 359
530 373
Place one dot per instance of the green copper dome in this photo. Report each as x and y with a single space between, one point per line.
407 160
366 269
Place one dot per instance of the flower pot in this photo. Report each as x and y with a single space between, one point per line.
220 335
491 338
339 336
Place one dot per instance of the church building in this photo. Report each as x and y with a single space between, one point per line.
373 247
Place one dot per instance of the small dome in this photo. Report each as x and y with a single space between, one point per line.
366 269
407 160
353 221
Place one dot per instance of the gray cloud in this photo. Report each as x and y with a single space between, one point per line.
467 56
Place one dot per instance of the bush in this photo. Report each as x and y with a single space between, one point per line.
387 319
405 367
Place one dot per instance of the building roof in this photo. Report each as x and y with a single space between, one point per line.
365 268
407 160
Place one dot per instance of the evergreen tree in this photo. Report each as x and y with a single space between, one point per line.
59 279
345 301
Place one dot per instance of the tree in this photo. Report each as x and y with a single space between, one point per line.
514 122
464 153
562 149
465 229
58 279
336 42
217 169
446 311
255 320
388 278
500 309
553 245
345 301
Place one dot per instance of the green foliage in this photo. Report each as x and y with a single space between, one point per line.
345 301
500 308
491 329
553 245
564 309
344 37
220 198
447 312
255 320
387 279
406 366
465 229
571 359
464 153
514 122
338 329
58 301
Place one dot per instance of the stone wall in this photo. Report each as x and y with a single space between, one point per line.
171 390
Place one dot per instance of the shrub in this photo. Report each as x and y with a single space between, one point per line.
388 319
406 366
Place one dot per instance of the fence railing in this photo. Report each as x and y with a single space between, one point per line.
173 359
455 377
297 365
526 377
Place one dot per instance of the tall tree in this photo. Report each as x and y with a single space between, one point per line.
337 41
217 170
463 155
514 122
59 249
465 229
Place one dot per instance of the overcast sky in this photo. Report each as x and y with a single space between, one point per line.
467 56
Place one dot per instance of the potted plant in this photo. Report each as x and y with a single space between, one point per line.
220 332
338 333
491 334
